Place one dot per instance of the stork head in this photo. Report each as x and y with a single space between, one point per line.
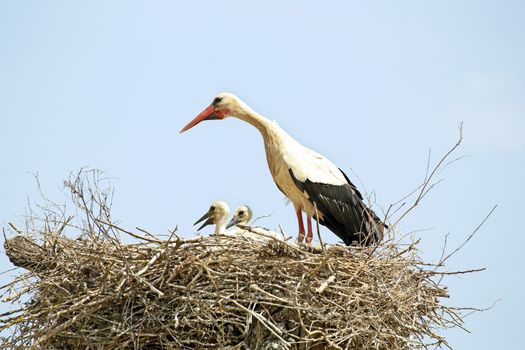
242 215
223 105
217 214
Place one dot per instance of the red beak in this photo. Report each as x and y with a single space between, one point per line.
205 114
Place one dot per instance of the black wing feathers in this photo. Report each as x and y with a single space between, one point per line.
352 185
343 210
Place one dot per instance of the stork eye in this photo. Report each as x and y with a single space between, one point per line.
216 100
241 212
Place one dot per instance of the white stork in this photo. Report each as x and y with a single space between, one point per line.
218 215
308 179
241 216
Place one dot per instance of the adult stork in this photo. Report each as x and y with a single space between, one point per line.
309 180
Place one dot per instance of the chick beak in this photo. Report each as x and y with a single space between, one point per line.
207 217
234 221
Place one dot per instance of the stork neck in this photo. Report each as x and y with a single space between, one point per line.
220 227
265 126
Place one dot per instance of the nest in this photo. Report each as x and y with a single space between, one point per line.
228 292
219 292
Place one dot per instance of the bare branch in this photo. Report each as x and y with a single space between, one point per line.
442 261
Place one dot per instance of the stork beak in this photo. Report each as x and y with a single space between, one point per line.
208 113
234 221
209 221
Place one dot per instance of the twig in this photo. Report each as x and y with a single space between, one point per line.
17 230
128 232
318 230
261 217
325 284
426 185
470 236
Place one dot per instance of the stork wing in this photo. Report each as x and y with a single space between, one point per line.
337 199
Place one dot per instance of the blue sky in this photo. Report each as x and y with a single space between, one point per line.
371 85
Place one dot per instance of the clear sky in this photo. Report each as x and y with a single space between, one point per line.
371 85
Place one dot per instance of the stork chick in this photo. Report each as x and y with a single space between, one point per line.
217 215
241 216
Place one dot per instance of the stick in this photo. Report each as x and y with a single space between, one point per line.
128 232
318 230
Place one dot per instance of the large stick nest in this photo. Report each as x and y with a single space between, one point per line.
95 292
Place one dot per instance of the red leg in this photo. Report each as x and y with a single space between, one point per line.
300 236
310 233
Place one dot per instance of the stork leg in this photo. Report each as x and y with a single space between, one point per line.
300 236
310 233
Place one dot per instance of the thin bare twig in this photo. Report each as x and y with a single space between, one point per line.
318 230
442 261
